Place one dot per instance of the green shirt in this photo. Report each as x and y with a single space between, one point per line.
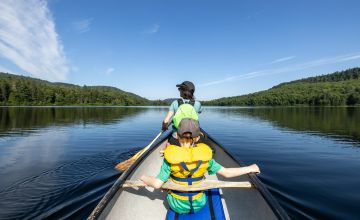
183 206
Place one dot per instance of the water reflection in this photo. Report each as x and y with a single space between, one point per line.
309 156
19 119
40 149
335 122
62 163
57 162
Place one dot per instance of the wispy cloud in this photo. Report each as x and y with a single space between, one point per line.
82 26
109 71
283 59
232 78
354 57
29 40
153 29
297 67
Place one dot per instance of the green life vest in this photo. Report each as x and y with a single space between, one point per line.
185 110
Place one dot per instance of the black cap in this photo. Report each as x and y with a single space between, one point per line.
187 85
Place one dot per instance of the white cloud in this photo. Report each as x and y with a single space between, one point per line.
354 57
109 70
283 59
231 78
153 30
82 26
28 39
297 67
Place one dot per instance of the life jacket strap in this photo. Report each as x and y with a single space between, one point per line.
181 101
188 179
192 171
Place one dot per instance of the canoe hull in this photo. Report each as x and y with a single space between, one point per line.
147 203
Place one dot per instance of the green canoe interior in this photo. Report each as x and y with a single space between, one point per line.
147 203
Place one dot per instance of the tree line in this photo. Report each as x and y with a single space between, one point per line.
21 90
336 89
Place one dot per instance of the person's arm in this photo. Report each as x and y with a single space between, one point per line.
233 172
198 107
152 181
160 179
168 116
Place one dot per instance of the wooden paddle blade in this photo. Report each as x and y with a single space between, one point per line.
206 184
127 163
124 165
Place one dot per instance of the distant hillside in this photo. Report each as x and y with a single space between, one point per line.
21 90
339 88
164 102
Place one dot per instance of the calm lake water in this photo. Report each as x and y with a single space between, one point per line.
58 162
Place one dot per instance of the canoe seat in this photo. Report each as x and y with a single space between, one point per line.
213 209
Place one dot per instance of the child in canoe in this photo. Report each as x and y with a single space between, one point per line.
186 165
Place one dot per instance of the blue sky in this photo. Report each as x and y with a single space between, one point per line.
226 48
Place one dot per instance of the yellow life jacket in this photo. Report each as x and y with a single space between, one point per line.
188 166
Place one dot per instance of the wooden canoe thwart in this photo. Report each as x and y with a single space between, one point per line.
206 184
243 197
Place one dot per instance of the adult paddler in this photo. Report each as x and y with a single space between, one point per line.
184 107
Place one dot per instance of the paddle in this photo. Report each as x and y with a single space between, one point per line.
206 184
127 163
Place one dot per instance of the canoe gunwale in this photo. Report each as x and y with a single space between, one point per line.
272 202
120 181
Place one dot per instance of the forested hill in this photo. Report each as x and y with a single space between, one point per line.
334 77
21 90
339 88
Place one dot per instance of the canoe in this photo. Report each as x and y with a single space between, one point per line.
148 203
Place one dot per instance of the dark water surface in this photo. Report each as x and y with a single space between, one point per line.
58 162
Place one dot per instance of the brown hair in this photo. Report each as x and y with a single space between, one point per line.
186 94
186 138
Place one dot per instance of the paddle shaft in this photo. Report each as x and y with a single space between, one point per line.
206 184
153 141
127 163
